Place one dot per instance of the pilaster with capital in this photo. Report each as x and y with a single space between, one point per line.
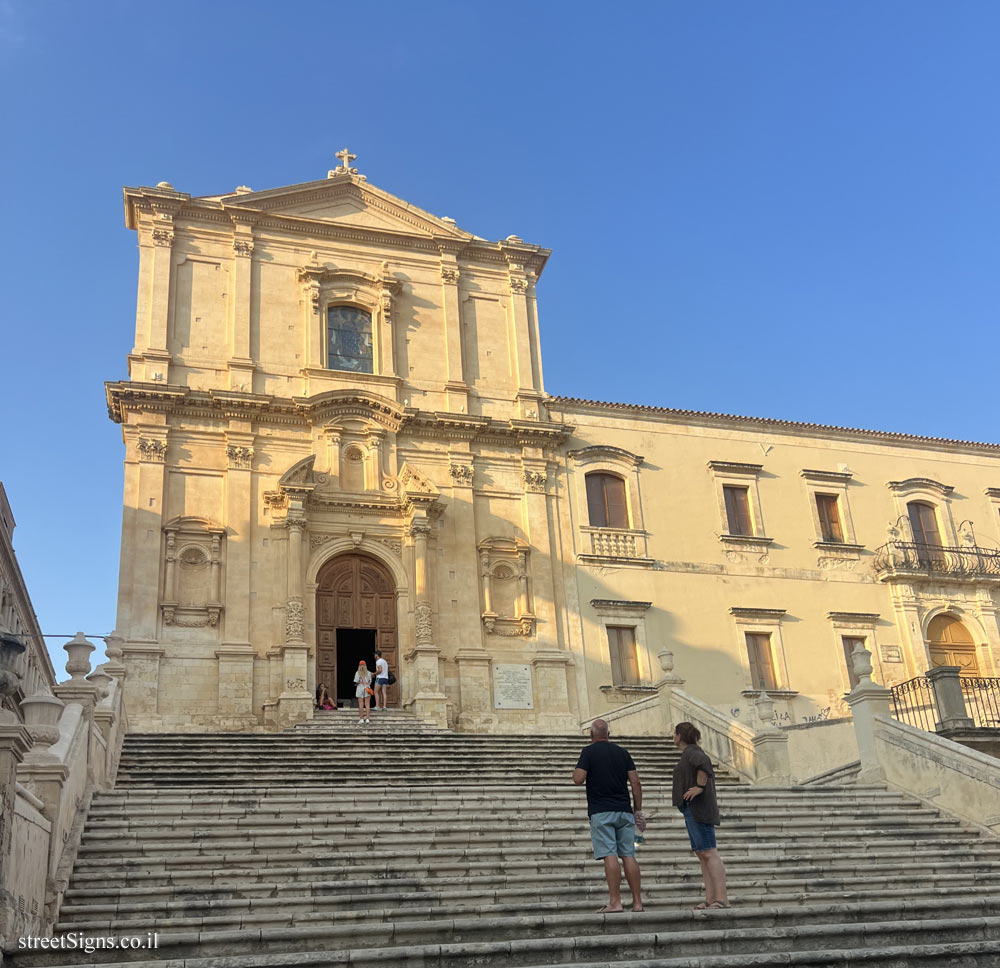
239 451
428 700
520 282
241 366
295 703
456 387
145 523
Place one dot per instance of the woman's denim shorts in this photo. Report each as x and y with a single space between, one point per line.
701 835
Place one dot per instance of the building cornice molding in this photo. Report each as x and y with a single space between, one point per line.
768 614
324 409
605 452
826 477
915 484
562 404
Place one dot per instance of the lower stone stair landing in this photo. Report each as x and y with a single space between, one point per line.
332 845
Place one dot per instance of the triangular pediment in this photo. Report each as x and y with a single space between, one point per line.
347 200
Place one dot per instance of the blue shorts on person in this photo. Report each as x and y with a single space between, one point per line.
381 681
613 834
701 835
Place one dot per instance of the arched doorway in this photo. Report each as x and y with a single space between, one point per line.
951 644
355 615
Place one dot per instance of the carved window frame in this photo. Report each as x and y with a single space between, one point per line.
739 474
928 491
859 625
325 288
818 482
179 535
763 621
596 545
495 553
993 501
610 613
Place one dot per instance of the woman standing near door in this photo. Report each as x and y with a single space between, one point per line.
362 679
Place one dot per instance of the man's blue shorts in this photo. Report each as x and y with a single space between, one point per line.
701 835
613 834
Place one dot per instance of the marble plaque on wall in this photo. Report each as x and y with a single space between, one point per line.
512 686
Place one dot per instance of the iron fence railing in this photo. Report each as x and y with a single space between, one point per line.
982 700
913 703
917 557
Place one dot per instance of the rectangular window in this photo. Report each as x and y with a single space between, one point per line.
624 662
606 501
761 660
737 509
829 518
850 641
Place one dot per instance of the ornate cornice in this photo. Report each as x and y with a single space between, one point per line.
735 467
605 452
912 484
738 422
769 614
826 477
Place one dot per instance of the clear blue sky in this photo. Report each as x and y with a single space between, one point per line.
781 209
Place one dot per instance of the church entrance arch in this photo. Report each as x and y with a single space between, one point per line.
355 615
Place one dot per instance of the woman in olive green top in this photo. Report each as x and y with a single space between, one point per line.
694 796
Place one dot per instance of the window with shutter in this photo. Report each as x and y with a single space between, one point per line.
624 662
737 509
606 504
923 521
761 660
850 643
829 517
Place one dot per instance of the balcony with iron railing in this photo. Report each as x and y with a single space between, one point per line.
907 560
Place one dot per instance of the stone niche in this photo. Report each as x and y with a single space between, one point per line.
506 588
192 574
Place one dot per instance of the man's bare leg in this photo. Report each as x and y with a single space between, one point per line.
703 861
634 879
613 875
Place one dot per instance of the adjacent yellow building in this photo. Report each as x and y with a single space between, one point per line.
338 439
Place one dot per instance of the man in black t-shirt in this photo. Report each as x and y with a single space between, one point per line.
609 771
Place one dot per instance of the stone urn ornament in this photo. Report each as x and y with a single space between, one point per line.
861 659
78 649
100 679
41 715
666 658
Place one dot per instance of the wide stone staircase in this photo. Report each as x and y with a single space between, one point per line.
402 845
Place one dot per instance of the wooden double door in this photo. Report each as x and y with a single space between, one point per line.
355 614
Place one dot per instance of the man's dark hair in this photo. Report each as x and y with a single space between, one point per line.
688 733
378 653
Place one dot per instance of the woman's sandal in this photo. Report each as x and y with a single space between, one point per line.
717 906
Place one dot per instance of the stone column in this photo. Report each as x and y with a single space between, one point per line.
526 380
948 699
169 588
235 657
867 700
295 704
456 389
241 366
375 439
333 455
429 702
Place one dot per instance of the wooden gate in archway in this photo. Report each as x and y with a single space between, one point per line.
356 592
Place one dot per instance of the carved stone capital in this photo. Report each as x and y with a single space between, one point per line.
240 458
152 450
462 473
163 237
518 285
449 274
534 481
243 247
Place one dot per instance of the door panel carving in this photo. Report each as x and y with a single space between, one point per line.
355 592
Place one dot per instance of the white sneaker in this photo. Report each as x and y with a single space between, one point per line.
367 720
361 722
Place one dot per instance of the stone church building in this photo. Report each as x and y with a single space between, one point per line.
337 439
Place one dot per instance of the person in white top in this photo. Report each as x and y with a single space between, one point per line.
363 692
381 679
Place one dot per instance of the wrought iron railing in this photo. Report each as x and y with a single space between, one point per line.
982 700
913 703
908 557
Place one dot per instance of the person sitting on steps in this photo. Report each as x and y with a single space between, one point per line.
323 700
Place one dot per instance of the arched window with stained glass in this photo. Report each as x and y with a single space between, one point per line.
349 339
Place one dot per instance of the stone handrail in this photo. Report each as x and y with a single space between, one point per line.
726 740
945 774
61 747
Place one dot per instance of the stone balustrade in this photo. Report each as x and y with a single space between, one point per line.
58 745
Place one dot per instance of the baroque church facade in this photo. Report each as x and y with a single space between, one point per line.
337 439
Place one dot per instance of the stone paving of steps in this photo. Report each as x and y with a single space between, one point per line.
244 850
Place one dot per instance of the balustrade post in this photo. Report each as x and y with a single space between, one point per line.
867 701
948 699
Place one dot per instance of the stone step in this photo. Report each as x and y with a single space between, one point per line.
289 908
573 937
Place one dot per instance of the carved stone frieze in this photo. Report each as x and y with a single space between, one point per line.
393 544
240 458
294 620
152 450
275 500
462 473
422 621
